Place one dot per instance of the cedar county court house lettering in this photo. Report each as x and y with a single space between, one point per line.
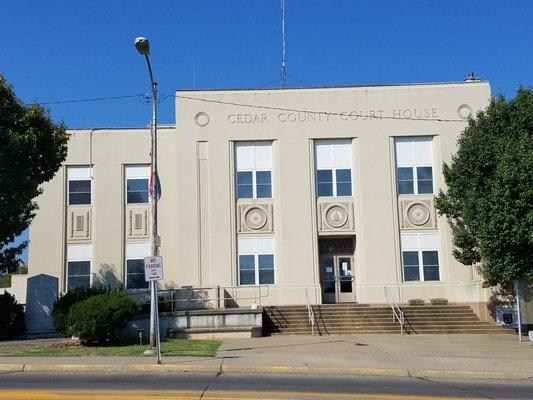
308 116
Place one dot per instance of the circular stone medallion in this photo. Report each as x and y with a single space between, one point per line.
336 216
201 119
464 111
418 214
255 218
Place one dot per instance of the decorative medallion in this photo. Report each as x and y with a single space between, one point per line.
418 214
464 111
336 216
201 119
255 218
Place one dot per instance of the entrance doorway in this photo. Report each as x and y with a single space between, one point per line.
336 270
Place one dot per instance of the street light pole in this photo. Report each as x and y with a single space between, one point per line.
143 47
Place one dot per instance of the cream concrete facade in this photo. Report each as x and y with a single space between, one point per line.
201 221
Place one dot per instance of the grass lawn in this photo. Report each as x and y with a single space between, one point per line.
171 347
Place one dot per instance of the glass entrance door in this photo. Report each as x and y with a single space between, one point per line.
337 278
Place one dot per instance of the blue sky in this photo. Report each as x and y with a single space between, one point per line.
63 50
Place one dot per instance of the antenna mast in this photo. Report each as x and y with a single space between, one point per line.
283 69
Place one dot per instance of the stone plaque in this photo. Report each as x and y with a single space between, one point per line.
137 222
254 217
336 216
79 224
417 213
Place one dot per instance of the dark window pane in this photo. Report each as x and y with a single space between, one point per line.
136 281
431 273
266 277
244 191
137 185
247 277
266 261
425 187
79 268
244 177
79 198
344 189
79 186
246 262
135 266
405 187
263 177
411 274
78 282
264 191
344 175
410 258
404 173
346 286
424 173
430 257
324 175
137 197
325 189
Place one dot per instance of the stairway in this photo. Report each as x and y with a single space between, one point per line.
354 318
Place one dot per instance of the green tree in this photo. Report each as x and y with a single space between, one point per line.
489 196
32 149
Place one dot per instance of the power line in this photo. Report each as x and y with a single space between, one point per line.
343 114
139 95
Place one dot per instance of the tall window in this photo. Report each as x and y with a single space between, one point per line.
135 254
333 167
256 260
253 177
420 256
78 266
79 185
137 181
414 165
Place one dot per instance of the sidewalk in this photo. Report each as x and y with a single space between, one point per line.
461 356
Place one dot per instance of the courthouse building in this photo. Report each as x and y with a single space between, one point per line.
326 193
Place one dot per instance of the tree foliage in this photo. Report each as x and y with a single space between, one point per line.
489 196
32 149
11 317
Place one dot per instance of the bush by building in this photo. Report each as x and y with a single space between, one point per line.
63 304
97 319
11 317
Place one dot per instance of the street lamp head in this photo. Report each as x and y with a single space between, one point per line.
143 45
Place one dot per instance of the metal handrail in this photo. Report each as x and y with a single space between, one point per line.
204 297
397 313
310 313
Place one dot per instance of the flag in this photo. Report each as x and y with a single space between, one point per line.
155 186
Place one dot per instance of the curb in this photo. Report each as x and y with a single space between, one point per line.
263 369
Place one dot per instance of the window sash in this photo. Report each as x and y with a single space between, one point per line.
78 275
259 266
336 182
135 274
253 184
137 191
424 269
79 192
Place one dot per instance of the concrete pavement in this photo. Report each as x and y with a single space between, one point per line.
459 356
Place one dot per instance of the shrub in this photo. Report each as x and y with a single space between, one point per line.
11 317
97 319
63 304
439 302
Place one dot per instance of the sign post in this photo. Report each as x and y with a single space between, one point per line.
153 272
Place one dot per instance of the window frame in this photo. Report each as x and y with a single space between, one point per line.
136 191
256 255
68 274
79 173
414 165
254 170
419 250
136 172
335 166
127 273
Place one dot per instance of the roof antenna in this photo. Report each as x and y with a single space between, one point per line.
283 68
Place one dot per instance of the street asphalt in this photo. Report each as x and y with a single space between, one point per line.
94 386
